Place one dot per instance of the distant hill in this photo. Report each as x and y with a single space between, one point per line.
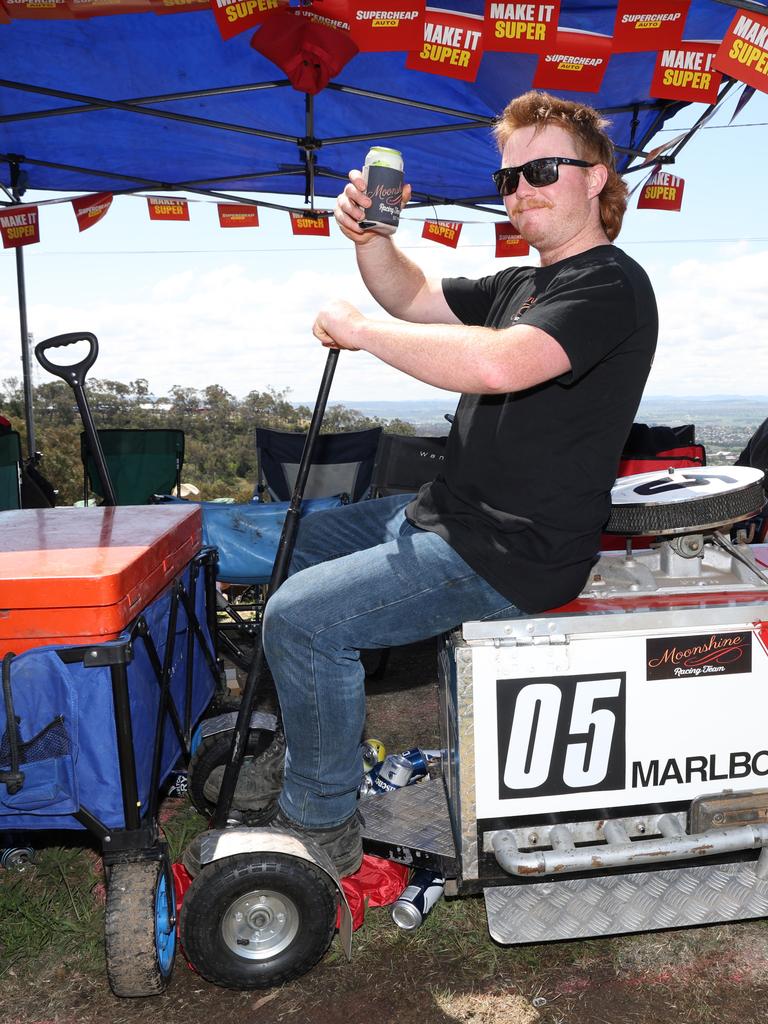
737 412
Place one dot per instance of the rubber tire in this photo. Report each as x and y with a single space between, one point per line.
212 752
222 883
134 967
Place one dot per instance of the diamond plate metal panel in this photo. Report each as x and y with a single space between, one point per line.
616 904
415 816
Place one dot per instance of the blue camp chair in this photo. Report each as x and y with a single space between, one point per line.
342 463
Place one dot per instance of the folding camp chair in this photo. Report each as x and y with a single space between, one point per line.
141 463
342 463
404 462
10 470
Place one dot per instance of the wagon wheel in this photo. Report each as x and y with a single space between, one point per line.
140 928
258 919
214 751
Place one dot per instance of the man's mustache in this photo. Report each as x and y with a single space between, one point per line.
530 204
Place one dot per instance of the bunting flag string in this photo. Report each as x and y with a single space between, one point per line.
450 43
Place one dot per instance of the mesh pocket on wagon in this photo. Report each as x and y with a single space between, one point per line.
38 737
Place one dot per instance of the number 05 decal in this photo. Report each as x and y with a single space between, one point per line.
561 734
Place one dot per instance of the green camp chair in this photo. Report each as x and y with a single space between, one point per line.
141 463
10 470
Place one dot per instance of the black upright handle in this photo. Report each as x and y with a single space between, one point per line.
74 375
285 548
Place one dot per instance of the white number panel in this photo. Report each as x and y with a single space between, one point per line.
619 720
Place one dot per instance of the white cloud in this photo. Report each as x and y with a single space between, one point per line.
246 323
713 315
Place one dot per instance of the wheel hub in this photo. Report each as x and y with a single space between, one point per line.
260 924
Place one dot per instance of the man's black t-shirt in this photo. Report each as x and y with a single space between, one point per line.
525 486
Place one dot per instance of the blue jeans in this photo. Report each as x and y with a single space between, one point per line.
362 577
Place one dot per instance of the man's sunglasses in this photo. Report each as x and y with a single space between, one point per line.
543 171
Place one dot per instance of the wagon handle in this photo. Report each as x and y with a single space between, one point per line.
73 374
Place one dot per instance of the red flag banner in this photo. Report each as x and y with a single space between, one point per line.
37 8
687 73
19 226
174 6
452 45
662 191
577 62
233 16
648 24
90 209
444 231
238 215
509 242
743 53
520 28
397 27
308 223
87 8
167 208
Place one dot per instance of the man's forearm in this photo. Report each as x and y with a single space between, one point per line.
476 360
396 282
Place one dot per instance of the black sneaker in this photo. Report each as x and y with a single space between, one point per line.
343 843
259 781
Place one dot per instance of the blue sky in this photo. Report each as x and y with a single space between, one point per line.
192 304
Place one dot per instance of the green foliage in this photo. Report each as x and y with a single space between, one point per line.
220 455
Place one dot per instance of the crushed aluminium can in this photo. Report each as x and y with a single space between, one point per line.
393 773
373 752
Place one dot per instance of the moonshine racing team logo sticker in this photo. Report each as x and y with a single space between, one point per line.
710 654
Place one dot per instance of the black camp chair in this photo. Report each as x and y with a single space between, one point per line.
10 470
141 464
405 462
342 463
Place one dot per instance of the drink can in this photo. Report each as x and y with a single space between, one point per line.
373 752
383 177
417 758
425 889
394 773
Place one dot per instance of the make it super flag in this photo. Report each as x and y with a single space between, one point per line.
743 53
90 209
509 242
308 223
234 16
238 215
687 73
167 208
648 24
444 231
452 45
19 226
662 191
520 28
577 62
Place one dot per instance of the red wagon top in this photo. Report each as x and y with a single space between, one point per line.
80 575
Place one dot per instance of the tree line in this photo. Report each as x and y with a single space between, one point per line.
219 429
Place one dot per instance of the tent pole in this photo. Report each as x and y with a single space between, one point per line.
17 189
25 366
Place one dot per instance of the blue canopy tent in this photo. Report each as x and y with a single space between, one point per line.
137 102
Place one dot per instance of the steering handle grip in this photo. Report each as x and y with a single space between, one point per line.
73 374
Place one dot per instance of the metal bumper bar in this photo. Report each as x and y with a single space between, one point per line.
619 851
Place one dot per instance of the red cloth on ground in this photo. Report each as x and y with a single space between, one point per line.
376 883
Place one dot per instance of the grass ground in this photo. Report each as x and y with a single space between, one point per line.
447 972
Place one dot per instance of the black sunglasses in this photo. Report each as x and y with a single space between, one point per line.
543 171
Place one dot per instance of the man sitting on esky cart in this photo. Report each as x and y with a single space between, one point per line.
551 362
